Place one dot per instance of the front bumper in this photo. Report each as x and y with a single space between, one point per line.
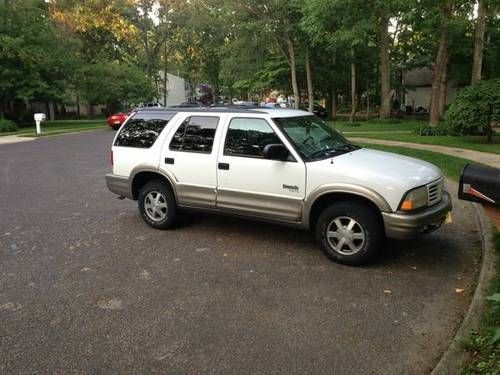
401 225
119 185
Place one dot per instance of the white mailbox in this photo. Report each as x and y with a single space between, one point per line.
39 117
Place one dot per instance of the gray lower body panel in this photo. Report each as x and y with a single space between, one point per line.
407 225
119 185
197 196
263 205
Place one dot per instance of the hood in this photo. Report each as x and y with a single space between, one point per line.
391 175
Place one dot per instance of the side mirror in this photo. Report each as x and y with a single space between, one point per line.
275 152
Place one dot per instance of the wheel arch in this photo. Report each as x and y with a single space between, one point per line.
143 176
325 196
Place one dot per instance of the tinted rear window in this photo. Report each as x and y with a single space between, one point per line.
143 129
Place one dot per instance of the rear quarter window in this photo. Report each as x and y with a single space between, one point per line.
142 130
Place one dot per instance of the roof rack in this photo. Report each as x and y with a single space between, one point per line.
225 109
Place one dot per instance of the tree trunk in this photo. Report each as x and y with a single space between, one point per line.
443 89
52 112
310 91
334 103
77 106
440 64
353 87
367 103
479 42
165 76
385 78
90 110
293 69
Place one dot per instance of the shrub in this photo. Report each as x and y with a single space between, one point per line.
475 108
7 126
430 130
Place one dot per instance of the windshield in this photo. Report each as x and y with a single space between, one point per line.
312 138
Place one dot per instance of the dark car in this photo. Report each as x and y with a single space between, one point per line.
318 110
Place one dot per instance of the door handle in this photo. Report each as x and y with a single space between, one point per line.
224 166
169 160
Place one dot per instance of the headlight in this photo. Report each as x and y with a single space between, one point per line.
414 199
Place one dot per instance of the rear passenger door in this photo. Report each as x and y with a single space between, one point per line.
190 155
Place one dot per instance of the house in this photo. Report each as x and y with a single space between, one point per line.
178 90
418 87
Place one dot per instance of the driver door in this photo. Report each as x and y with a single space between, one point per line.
248 183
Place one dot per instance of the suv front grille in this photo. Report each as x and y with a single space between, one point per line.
434 192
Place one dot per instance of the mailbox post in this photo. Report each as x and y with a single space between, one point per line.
39 117
482 184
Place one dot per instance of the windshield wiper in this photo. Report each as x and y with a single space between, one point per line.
331 151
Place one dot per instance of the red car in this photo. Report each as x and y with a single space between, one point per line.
116 120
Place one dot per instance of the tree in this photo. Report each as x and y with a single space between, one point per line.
111 83
479 42
439 80
35 62
385 72
475 108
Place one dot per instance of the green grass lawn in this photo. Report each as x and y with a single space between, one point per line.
472 142
60 127
450 165
393 125
403 131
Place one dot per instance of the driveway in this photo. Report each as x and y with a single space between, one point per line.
86 287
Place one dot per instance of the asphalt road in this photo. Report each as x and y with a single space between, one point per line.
86 287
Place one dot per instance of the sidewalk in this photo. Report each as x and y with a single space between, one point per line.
6 139
486 158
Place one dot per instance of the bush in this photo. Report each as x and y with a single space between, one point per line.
475 108
431 130
7 126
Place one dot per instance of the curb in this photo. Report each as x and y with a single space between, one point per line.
454 357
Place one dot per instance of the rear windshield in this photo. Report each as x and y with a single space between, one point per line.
143 129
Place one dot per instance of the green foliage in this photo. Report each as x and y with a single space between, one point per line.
427 130
7 126
483 344
109 83
470 111
35 61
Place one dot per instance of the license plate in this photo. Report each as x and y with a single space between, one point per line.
448 219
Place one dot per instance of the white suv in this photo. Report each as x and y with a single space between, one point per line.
279 165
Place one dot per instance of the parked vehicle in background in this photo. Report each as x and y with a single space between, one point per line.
280 165
318 110
188 105
116 120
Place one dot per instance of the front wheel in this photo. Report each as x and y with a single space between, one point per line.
157 205
349 233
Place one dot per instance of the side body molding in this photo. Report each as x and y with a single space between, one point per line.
361 191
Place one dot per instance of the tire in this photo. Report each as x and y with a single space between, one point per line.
115 128
157 205
355 246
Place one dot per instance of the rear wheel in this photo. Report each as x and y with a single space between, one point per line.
349 233
157 205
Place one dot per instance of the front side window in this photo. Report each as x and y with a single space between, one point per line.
312 138
142 130
195 134
248 137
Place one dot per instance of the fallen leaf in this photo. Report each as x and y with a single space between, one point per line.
458 290
387 291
